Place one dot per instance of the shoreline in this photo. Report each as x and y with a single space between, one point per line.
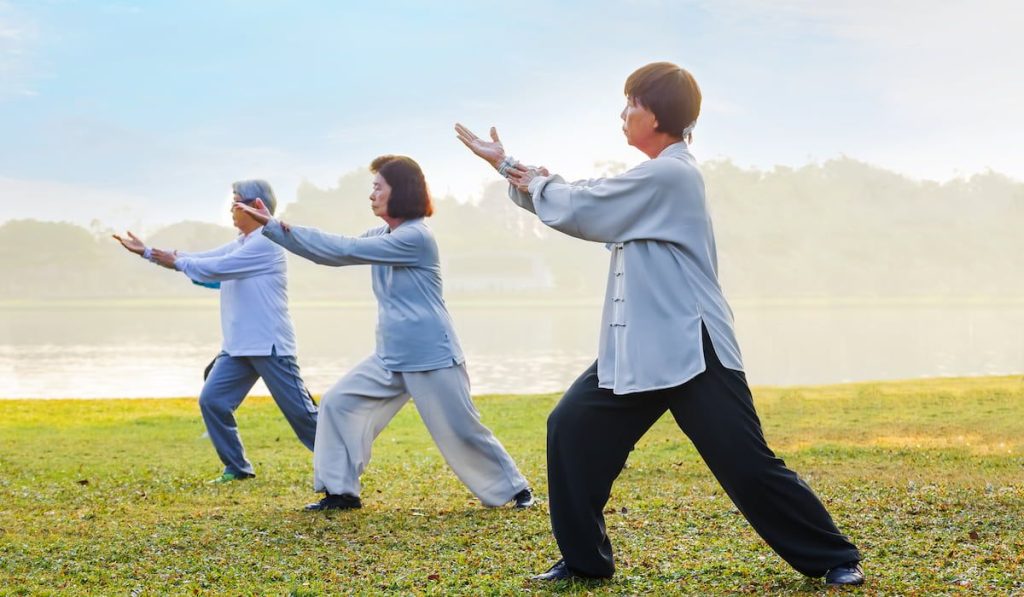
810 302
904 382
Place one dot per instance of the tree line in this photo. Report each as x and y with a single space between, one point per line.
840 229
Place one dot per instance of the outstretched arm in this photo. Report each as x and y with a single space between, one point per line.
135 245
403 246
246 261
633 205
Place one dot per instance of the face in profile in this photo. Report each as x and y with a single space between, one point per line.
638 123
379 196
237 218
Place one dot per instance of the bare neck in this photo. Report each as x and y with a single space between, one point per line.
658 144
247 228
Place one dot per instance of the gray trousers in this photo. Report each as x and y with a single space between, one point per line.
230 380
355 410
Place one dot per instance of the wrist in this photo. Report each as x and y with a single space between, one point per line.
147 253
508 162
497 160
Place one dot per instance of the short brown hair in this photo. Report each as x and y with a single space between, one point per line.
410 197
669 92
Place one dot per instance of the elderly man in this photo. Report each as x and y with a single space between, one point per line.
251 272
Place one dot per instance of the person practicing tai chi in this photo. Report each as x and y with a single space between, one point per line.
417 354
258 337
666 343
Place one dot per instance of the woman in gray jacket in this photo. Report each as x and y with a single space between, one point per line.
418 354
667 344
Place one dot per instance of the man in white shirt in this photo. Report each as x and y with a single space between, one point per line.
252 275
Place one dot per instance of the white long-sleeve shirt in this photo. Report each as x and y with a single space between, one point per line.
253 276
663 276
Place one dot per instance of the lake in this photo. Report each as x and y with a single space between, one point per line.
120 352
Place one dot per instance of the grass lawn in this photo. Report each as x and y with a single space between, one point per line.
109 497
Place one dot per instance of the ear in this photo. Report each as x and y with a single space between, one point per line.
258 205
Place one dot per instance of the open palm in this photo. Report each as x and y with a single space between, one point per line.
131 242
491 151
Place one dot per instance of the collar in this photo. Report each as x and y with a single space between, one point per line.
244 237
675 149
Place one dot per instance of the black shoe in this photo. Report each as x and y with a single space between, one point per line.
846 574
335 502
523 499
560 571
557 572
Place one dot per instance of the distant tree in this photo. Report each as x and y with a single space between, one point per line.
841 228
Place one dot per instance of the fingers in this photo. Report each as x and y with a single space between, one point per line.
465 135
260 206
519 183
133 237
494 135
464 132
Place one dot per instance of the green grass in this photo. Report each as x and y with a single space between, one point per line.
108 497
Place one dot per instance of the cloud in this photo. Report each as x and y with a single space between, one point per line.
18 37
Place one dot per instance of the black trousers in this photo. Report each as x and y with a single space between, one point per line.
592 430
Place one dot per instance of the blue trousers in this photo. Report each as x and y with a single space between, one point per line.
228 383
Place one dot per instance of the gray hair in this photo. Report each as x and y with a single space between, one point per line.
250 190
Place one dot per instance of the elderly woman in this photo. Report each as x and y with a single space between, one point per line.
418 354
667 343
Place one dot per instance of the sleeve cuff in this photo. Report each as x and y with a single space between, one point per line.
272 228
538 183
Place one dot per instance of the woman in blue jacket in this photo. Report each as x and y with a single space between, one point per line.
418 354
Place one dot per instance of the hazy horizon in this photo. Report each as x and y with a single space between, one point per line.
287 197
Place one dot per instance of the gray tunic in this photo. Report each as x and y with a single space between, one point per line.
663 278
414 330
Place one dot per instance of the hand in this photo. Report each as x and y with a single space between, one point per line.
164 258
520 176
493 152
257 211
132 243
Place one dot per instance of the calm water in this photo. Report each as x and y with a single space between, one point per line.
111 352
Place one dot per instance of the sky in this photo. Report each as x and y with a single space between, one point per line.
139 114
